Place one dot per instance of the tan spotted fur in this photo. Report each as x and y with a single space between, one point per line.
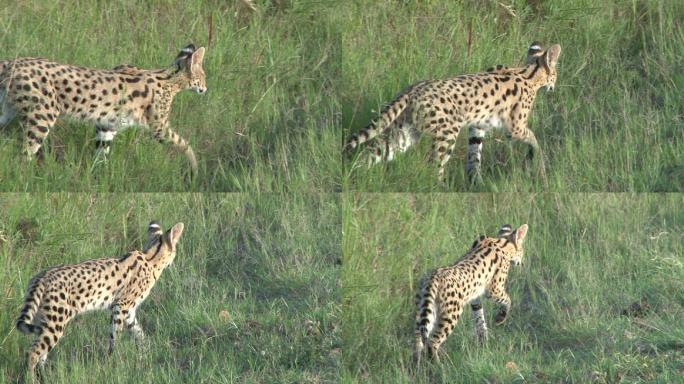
56 295
445 292
501 98
39 91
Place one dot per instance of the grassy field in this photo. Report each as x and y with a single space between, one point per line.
251 297
588 258
614 123
269 121
257 293
287 81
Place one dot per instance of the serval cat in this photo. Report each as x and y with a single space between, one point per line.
56 295
446 291
39 91
501 98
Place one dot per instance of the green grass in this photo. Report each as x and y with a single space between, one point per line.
254 295
267 123
251 297
287 83
614 122
587 258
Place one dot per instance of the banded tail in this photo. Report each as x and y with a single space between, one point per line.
426 316
34 296
388 115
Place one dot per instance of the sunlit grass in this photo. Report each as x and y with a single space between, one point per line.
267 122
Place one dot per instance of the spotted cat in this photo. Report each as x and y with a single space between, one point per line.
398 138
446 291
501 98
56 295
39 91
